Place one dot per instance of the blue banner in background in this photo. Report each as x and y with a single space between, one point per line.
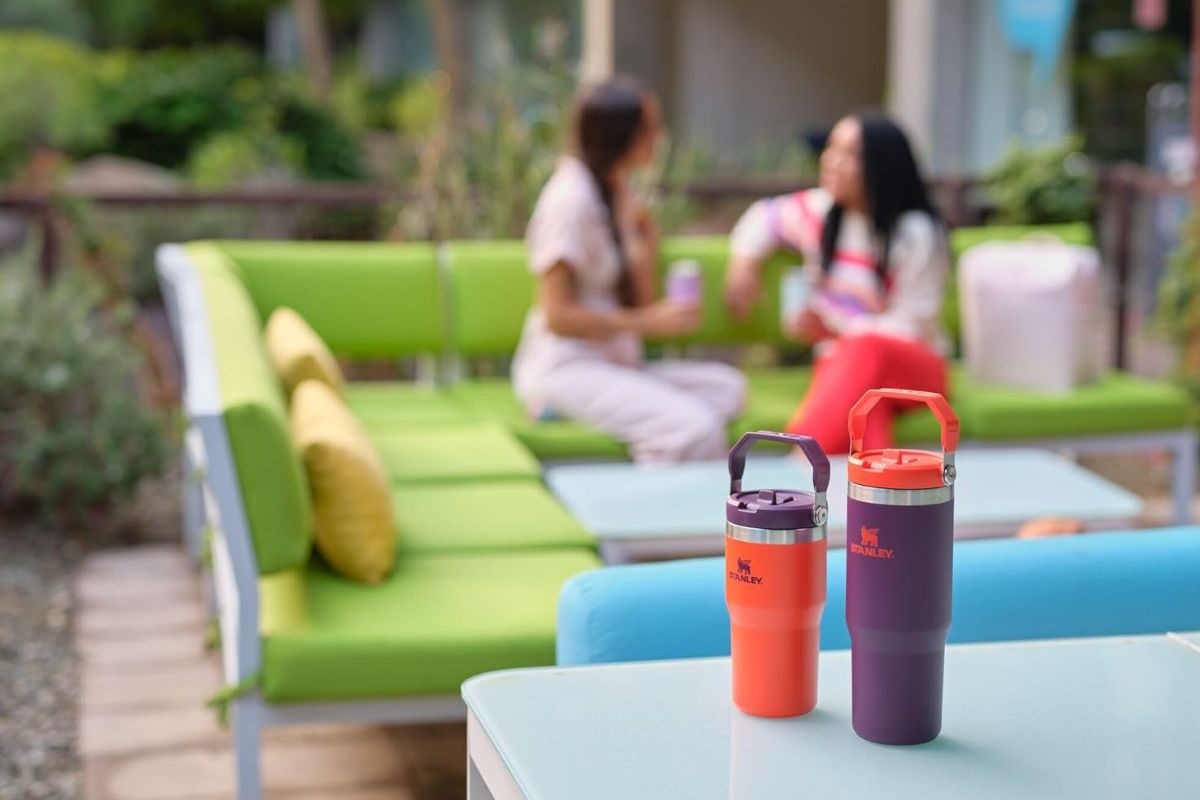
1039 27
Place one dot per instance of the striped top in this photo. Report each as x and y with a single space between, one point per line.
851 299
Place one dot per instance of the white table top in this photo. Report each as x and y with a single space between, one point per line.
996 492
1085 718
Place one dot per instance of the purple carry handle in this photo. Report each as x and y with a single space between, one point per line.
812 451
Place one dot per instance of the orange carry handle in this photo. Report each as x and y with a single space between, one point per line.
937 404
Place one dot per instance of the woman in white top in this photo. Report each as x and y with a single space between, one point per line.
594 250
877 262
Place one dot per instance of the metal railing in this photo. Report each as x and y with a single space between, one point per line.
960 198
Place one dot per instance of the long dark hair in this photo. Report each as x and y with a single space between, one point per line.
892 184
609 117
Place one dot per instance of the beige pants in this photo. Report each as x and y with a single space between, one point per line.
663 411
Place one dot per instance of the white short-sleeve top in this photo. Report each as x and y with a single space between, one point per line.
851 298
570 225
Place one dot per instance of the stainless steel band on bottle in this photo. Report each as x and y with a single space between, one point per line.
766 536
900 497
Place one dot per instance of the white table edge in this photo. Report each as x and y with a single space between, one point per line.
489 777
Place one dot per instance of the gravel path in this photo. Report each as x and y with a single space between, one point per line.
38 666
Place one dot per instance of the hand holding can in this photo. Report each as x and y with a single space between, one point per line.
685 282
794 292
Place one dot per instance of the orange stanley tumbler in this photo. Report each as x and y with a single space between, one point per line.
775 584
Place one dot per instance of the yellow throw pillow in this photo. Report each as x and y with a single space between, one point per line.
297 353
352 505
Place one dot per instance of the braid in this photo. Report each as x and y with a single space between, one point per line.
625 280
608 119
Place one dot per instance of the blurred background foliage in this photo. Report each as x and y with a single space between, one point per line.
1043 186
76 434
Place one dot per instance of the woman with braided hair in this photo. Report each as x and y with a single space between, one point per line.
594 250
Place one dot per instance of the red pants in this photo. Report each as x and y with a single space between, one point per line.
851 367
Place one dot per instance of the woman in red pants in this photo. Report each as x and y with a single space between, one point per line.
877 262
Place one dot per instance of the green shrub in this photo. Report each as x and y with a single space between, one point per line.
233 157
164 103
327 150
1044 186
48 97
221 105
74 434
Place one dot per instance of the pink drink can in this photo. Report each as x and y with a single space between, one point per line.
685 283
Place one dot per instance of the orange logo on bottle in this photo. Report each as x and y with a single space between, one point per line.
868 544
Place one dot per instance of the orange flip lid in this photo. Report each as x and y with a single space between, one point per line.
897 469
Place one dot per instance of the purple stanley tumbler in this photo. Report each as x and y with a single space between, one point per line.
900 544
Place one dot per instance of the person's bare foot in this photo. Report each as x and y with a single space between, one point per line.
1050 526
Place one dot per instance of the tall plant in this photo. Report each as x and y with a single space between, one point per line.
1178 316
478 176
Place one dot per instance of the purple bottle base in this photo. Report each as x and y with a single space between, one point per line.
903 692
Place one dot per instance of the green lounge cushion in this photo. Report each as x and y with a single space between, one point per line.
505 515
1118 403
271 479
389 403
438 620
473 451
364 299
491 289
493 399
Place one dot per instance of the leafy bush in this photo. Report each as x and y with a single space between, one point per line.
327 150
1052 184
73 434
164 103
48 97
170 106
233 157
1178 316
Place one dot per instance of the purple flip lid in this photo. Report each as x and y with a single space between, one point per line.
777 509
772 509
